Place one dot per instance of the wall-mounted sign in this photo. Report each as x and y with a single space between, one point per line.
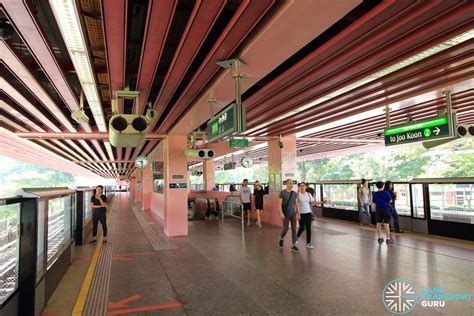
415 132
238 143
178 186
229 165
177 176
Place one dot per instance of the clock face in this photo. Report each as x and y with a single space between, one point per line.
141 162
246 162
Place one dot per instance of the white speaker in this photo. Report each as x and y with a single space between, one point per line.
127 130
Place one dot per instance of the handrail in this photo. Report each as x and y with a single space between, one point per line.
241 207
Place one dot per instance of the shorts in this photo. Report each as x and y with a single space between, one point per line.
247 207
383 215
259 205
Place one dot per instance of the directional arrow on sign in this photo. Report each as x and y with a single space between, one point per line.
437 130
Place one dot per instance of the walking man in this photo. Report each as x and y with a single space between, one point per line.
99 207
288 213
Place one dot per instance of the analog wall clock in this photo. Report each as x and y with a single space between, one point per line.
246 161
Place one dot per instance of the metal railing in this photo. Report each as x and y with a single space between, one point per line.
227 208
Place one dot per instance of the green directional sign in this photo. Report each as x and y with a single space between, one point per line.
238 143
417 132
222 125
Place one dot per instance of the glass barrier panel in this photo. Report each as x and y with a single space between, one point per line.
40 264
402 203
59 227
87 206
9 249
317 191
341 196
418 200
452 202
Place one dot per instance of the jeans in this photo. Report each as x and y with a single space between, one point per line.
305 223
396 220
362 209
286 223
96 217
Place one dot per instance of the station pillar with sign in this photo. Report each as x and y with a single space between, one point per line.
281 166
209 174
175 186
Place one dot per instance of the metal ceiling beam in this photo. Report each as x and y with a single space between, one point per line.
84 136
337 140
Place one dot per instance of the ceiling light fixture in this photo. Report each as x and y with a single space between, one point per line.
67 17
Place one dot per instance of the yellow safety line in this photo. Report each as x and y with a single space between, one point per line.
81 298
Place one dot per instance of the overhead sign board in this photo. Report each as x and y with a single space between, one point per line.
417 132
222 125
237 143
229 165
229 122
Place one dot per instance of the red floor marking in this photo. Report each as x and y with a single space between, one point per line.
144 309
79 259
126 256
122 258
124 302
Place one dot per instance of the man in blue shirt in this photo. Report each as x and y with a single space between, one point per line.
383 211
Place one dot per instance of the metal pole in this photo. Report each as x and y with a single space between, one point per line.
212 102
387 116
242 213
449 112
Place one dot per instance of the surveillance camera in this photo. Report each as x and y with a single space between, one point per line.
6 30
379 134
150 113
280 144
301 150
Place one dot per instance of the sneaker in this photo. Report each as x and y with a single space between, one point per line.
309 246
380 240
93 241
280 243
389 241
296 241
259 225
294 249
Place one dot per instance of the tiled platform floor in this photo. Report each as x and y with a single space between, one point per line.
218 271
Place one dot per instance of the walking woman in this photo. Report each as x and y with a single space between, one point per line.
304 202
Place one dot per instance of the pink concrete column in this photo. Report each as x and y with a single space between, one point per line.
281 166
208 174
175 173
139 186
147 186
133 186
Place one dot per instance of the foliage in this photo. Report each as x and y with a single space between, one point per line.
15 175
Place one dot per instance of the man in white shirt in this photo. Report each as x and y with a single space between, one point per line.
245 198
